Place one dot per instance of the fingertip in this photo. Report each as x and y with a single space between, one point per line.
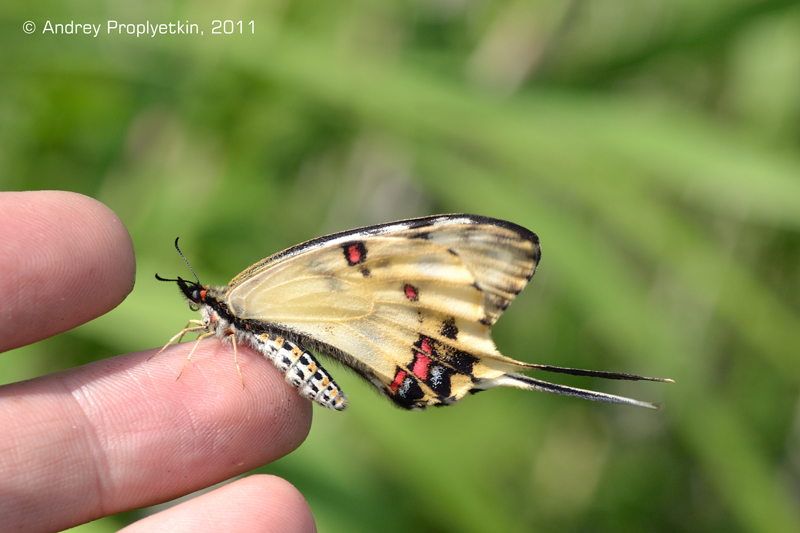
291 511
258 503
65 259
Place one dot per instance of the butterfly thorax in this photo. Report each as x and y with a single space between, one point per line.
215 319
216 316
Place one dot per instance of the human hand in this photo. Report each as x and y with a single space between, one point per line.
121 433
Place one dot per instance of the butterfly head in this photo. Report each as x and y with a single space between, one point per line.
194 291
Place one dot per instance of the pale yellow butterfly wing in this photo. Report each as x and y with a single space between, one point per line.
407 305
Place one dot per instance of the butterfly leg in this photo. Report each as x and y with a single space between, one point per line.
198 326
232 335
303 371
189 357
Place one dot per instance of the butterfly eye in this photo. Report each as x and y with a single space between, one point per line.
196 295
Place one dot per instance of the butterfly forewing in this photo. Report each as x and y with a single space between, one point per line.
413 306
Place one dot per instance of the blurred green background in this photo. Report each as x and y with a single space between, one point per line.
652 146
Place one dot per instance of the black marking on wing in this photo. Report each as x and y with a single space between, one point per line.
408 392
449 328
439 380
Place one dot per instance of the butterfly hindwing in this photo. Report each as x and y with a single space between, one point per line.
408 305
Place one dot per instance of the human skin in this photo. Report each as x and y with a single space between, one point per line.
122 433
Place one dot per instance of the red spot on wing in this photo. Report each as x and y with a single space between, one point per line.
425 346
411 292
398 380
421 364
353 253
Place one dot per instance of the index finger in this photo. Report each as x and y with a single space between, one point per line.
122 433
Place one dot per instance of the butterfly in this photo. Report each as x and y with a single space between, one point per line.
408 305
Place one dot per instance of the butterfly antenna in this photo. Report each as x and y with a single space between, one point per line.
186 260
